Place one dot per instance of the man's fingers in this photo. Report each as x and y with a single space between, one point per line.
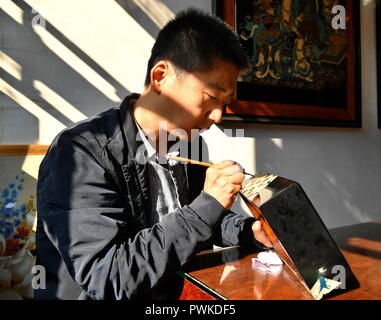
260 234
223 164
236 179
231 170
223 181
229 167
257 226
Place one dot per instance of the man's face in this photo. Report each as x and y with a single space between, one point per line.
197 100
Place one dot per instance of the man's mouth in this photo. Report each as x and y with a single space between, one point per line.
202 129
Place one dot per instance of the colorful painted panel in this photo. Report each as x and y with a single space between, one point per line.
305 61
18 180
292 43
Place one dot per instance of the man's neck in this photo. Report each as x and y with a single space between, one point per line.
143 112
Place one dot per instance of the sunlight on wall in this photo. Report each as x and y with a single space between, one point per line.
10 66
278 142
48 125
105 32
58 102
238 148
115 43
76 63
12 10
156 10
31 164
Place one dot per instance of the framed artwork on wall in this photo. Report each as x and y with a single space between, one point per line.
305 61
18 182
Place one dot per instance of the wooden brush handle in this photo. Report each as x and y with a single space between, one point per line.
191 161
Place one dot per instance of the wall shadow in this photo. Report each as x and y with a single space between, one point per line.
39 63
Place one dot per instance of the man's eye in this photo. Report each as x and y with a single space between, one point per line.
210 96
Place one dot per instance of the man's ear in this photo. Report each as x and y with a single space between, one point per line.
159 74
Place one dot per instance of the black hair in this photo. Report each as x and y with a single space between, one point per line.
193 39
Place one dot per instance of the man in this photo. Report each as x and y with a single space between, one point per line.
118 223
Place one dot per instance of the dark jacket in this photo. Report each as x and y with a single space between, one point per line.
93 234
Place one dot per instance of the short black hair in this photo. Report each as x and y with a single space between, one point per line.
193 39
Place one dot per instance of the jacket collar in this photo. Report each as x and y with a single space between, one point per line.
129 129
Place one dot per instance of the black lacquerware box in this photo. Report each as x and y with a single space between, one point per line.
299 235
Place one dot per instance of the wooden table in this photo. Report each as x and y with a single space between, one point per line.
229 273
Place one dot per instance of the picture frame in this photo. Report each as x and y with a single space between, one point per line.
327 89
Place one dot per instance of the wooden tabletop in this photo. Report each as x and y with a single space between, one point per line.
230 273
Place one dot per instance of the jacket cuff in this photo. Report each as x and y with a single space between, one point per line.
207 208
246 236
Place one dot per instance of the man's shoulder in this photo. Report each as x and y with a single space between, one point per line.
90 135
100 129
96 130
99 136
104 125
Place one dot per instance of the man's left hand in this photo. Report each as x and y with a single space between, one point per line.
260 234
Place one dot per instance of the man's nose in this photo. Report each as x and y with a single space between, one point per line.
216 115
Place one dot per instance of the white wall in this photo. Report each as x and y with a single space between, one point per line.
92 53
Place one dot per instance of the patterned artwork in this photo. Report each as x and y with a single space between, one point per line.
253 186
323 286
17 236
292 44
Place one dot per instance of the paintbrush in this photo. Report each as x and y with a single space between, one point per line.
201 163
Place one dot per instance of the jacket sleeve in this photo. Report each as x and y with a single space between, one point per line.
81 212
236 229
233 228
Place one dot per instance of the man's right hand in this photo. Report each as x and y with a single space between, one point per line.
223 182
